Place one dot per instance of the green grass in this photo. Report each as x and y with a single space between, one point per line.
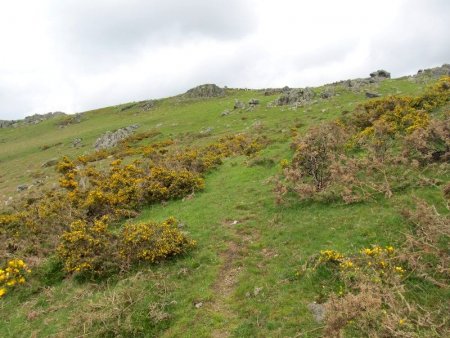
268 242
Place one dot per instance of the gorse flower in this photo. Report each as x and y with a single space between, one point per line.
13 274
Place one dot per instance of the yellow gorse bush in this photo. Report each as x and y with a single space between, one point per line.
12 274
152 241
87 247
401 114
73 216
93 249
376 262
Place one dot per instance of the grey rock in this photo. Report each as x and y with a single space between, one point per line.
372 95
238 104
38 118
327 93
77 142
300 95
206 131
434 73
6 123
381 73
253 102
225 112
204 91
318 311
147 105
22 187
111 139
50 163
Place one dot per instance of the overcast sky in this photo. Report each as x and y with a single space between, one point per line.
76 55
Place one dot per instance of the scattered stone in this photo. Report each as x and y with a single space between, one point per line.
77 142
318 311
253 102
50 163
198 305
327 93
238 104
372 95
206 90
225 112
22 187
256 291
206 131
111 139
38 182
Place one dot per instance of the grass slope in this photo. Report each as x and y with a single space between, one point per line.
240 280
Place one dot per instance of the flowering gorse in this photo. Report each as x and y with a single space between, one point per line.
12 275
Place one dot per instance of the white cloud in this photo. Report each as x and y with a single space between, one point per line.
74 55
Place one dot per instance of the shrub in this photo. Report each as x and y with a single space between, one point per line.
315 154
12 274
430 144
400 114
427 246
372 293
88 248
369 296
152 241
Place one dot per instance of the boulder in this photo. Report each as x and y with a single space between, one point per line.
381 73
77 142
238 104
300 95
147 105
22 187
318 311
111 139
50 163
253 102
372 95
327 93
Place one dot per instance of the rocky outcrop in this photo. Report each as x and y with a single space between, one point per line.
295 96
146 105
435 72
205 91
111 139
37 118
6 123
381 73
32 119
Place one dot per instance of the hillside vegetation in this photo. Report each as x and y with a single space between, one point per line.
233 213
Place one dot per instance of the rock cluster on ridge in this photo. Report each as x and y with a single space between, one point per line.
112 138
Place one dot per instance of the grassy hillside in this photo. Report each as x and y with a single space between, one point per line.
241 280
